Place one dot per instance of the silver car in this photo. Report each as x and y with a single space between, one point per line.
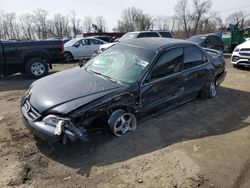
81 48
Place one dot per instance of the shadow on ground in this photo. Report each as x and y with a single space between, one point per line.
196 119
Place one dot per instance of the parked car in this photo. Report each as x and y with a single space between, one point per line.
137 34
211 41
125 83
79 48
105 38
30 57
241 55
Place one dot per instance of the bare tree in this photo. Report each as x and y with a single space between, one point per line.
183 15
201 8
163 22
87 24
61 26
237 18
75 22
9 25
27 26
191 16
134 19
100 24
40 19
211 23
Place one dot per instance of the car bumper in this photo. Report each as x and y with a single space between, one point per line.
221 78
44 131
238 59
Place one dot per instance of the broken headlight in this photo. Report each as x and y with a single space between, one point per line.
54 120
57 122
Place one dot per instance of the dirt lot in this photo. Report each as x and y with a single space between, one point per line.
205 143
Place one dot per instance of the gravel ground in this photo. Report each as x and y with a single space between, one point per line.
204 143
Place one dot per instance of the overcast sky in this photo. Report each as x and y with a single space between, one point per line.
111 9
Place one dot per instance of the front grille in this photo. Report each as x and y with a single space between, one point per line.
32 112
245 52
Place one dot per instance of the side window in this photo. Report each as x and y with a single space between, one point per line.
153 34
170 62
166 34
83 42
142 35
94 42
192 57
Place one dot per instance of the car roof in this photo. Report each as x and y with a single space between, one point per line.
154 43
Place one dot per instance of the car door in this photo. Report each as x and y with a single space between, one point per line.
164 83
81 49
194 71
94 45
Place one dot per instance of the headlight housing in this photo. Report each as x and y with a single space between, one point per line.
53 120
236 49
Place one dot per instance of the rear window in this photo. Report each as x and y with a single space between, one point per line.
166 34
148 34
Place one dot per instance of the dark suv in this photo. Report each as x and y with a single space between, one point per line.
211 41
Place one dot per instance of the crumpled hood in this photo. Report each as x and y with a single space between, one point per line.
75 87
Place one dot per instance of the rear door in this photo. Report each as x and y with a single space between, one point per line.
194 71
164 84
94 45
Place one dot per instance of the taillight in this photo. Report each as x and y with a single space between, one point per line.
62 48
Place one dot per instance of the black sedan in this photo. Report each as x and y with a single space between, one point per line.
127 82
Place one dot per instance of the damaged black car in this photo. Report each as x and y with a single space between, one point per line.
127 82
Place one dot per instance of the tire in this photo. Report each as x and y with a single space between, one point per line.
121 122
68 57
36 68
209 90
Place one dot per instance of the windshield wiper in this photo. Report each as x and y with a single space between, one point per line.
111 79
104 76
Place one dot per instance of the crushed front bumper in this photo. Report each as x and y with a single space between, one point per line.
47 132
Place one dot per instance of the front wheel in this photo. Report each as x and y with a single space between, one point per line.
210 89
122 122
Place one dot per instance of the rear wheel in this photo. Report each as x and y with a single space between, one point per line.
209 90
68 57
36 68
